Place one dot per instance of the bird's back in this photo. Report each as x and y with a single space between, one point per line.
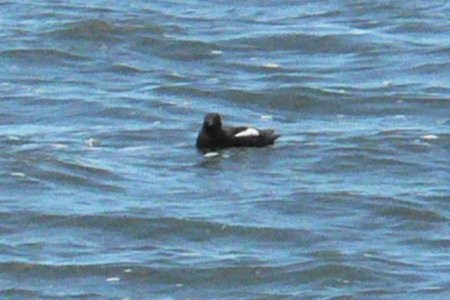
250 137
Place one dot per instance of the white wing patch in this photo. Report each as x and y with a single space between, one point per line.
247 132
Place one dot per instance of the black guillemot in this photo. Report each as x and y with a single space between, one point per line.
214 136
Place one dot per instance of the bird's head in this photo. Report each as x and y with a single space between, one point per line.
212 121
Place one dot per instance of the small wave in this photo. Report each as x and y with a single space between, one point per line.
17 293
47 169
439 49
122 138
177 49
418 27
74 180
13 140
43 56
411 214
147 227
125 69
231 274
271 70
433 244
337 43
97 30
82 168
7 119
57 270
186 91
22 293
122 113
342 272
305 99
432 68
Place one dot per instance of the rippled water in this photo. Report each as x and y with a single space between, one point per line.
103 195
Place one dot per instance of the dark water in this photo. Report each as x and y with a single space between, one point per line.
103 196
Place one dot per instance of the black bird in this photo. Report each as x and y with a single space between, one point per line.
214 136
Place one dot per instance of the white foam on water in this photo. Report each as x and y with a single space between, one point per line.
91 142
216 52
59 146
272 66
17 174
134 148
429 137
387 83
266 117
192 254
336 91
211 154
5 84
13 138
176 74
112 279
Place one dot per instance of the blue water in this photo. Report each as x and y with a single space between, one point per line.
103 195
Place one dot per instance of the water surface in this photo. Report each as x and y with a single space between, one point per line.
103 195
